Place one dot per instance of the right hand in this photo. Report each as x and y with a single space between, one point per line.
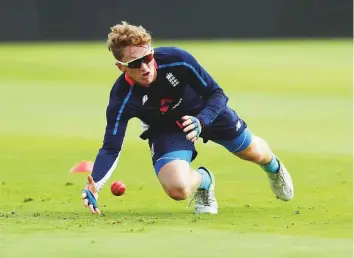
192 127
90 196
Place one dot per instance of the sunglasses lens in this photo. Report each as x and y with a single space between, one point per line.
137 63
148 58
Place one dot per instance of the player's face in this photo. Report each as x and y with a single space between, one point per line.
139 64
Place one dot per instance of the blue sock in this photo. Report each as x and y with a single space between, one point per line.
206 180
272 167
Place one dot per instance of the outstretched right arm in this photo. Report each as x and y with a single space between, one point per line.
108 156
105 163
118 115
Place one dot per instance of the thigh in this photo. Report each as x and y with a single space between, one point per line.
230 131
227 126
239 144
175 174
166 147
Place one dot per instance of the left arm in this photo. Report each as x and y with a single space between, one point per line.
207 88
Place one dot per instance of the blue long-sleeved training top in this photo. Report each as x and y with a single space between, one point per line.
182 87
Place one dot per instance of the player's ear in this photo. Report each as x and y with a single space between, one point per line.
121 67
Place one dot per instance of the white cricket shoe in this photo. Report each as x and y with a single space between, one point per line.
281 183
205 201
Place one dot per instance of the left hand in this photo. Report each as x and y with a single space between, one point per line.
193 126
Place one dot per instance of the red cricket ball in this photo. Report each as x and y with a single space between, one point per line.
117 188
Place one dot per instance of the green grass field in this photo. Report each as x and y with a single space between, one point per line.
295 94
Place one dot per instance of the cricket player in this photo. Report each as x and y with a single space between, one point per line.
178 102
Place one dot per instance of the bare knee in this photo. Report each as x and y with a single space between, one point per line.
175 179
178 193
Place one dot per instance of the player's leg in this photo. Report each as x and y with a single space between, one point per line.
259 152
172 155
176 176
180 181
255 149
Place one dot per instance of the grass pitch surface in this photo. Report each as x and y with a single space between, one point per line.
295 94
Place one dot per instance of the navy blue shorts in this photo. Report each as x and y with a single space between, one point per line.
166 147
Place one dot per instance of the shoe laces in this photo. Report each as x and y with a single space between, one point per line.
278 178
204 197
191 200
201 196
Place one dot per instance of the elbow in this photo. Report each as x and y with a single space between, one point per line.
219 94
109 149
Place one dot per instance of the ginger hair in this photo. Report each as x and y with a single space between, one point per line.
125 34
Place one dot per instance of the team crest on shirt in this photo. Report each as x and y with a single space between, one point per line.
172 79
